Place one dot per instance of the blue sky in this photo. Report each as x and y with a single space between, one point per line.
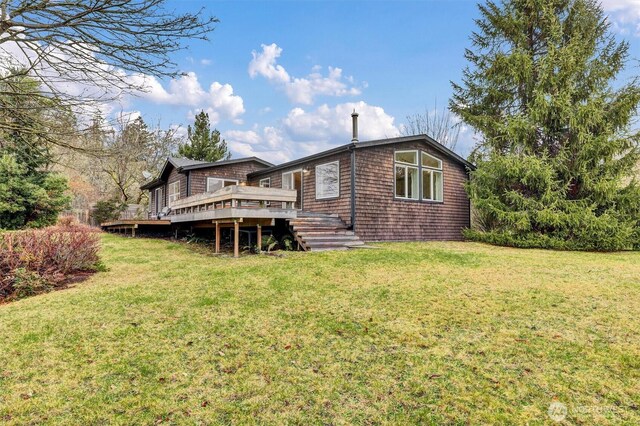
281 78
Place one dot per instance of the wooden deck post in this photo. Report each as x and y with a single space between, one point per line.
259 235
236 238
217 237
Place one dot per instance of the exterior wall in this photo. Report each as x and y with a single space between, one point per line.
382 217
239 171
340 205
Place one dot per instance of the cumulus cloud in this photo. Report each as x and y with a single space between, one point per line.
300 90
219 100
624 14
304 132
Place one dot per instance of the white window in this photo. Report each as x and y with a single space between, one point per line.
431 178
287 180
214 184
265 183
406 171
328 180
158 200
174 192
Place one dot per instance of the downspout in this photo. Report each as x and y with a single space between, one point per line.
188 183
354 141
353 188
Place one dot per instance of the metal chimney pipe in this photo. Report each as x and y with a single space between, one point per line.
354 119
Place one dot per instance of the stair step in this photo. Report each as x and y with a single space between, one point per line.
327 232
331 222
320 232
327 244
312 214
337 238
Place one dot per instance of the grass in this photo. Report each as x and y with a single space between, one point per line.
426 333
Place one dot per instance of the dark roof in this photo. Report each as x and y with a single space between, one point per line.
183 165
184 162
204 165
367 144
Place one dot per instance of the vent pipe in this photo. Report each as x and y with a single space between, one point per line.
354 119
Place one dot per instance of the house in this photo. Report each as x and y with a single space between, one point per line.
397 189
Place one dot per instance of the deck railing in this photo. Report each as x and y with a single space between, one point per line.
237 197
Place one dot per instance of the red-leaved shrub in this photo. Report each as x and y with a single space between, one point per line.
40 260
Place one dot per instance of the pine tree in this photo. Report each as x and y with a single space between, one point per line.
31 195
203 143
557 152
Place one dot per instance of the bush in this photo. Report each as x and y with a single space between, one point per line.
519 201
107 210
37 261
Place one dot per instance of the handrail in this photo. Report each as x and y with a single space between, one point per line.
236 194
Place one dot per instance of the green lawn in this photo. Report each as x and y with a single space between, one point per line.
408 333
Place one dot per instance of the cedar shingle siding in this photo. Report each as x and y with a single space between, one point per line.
238 171
382 217
379 216
340 205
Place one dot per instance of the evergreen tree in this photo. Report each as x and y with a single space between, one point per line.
557 152
203 143
30 194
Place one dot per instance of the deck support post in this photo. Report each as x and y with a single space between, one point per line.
217 237
259 235
133 232
236 238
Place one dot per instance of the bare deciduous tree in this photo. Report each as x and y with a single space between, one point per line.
86 52
441 125
98 42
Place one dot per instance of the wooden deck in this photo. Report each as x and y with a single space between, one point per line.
236 206
134 222
130 225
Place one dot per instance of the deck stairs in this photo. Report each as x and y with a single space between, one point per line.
321 231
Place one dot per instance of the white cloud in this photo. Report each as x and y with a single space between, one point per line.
303 133
206 62
299 90
219 100
624 15
334 123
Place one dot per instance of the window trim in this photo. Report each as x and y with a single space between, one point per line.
420 167
170 199
159 200
265 179
237 182
331 197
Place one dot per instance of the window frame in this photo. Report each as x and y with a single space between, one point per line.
421 168
329 197
433 170
174 196
265 179
406 167
236 182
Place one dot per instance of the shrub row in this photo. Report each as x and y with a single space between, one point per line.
40 260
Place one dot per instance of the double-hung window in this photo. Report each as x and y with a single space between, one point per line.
431 178
328 180
407 180
214 184
174 192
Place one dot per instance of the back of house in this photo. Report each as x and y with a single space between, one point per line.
397 189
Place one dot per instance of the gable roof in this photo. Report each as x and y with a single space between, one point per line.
204 165
184 164
368 144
